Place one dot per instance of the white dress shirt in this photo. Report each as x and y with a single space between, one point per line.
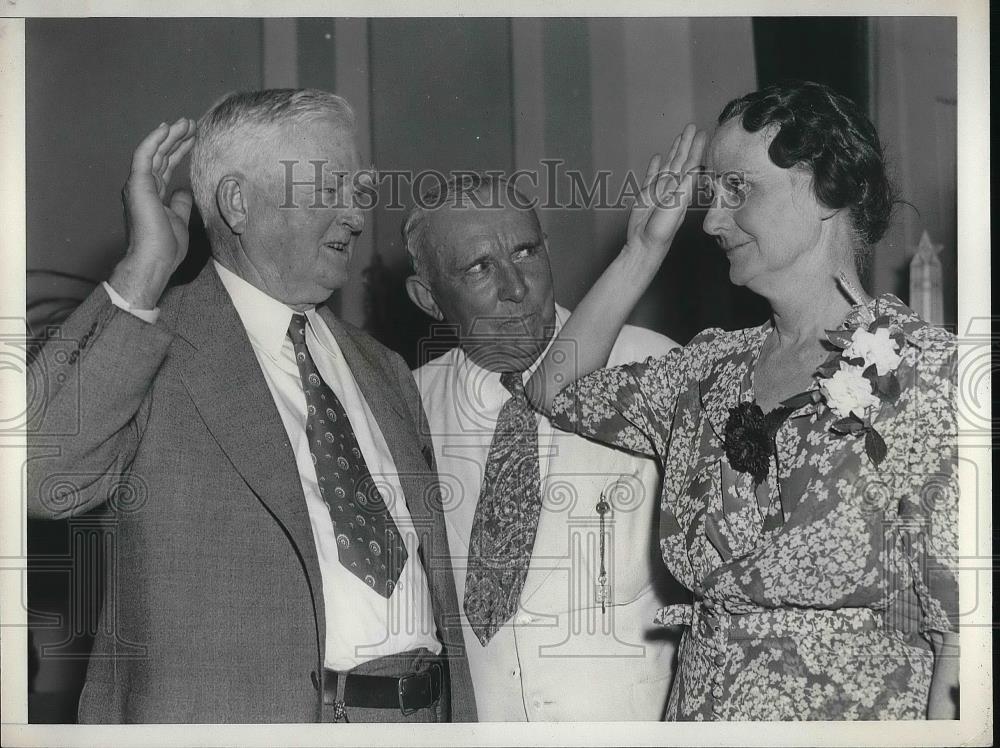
559 658
361 625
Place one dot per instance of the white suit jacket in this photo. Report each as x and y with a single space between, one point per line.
560 658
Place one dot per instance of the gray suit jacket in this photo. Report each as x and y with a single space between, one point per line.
213 609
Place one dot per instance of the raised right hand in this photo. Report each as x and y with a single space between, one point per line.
667 192
586 340
157 229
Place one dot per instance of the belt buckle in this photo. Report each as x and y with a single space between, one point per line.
417 685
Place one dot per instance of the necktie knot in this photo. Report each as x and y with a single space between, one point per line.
512 382
297 329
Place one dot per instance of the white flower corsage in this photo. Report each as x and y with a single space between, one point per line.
859 376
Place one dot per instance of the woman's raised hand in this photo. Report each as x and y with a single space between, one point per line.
586 339
666 194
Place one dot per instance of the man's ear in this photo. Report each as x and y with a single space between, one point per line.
231 200
420 294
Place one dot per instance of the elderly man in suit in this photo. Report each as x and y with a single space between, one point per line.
279 558
553 535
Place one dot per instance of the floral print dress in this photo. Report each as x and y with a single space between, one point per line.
813 594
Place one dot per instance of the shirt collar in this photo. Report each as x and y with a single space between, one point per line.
265 318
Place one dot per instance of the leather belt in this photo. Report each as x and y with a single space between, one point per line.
408 693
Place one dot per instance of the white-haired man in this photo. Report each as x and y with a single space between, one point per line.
280 560
553 535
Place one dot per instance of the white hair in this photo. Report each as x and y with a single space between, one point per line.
457 191
231 131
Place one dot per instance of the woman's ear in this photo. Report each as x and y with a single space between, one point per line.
421 295
231 200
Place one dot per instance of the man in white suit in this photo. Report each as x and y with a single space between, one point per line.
552 535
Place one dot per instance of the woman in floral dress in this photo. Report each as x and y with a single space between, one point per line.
809 497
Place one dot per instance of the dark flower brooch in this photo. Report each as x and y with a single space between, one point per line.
749 438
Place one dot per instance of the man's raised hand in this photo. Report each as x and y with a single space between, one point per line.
157 228
666 194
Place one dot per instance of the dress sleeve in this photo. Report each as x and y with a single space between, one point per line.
930 507
630 406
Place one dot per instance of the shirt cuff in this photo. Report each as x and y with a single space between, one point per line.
146 315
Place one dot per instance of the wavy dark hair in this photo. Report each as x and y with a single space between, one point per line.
829 134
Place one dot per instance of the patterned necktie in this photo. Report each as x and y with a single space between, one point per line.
368 543
503 528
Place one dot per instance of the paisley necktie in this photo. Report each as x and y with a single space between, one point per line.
506 517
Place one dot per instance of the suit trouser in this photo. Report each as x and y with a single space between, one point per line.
395 666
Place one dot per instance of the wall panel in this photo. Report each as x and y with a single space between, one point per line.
441 100
95 87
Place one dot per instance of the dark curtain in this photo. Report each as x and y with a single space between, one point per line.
827 50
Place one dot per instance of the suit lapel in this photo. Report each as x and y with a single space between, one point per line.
368 372
225 381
